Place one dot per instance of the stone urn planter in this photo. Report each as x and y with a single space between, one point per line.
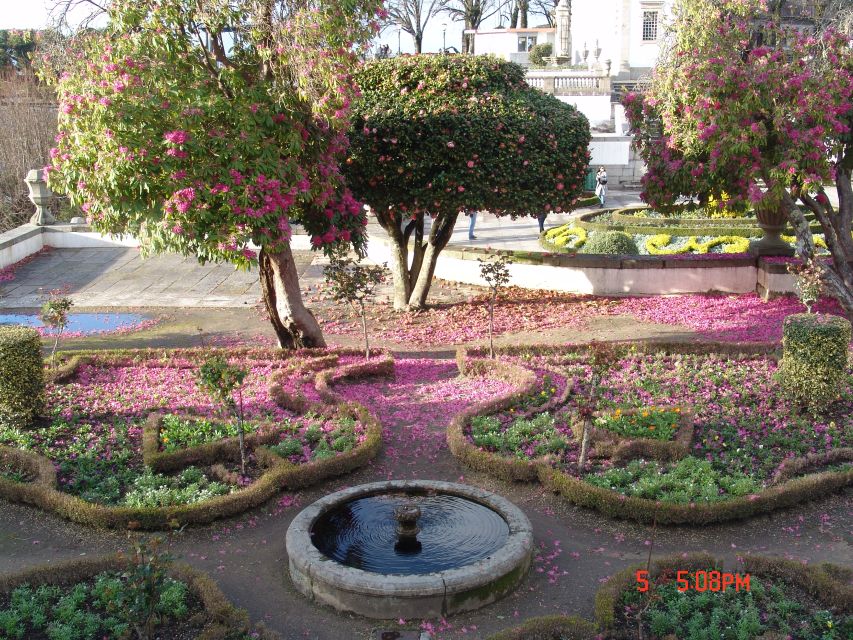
772 219
40 196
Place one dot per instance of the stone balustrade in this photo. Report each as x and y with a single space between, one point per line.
567 82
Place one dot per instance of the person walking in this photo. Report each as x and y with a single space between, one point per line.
541 218
601 185
473 216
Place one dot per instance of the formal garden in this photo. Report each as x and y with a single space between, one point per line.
375 452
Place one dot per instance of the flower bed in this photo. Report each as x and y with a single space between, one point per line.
785 599
116 460
83 598
749 450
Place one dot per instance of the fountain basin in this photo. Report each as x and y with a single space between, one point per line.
467 585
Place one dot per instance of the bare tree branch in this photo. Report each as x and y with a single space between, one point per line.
412 17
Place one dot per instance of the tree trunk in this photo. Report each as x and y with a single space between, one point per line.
419 39
400 275
513 20
491 327
587 429
364 330
439 236
295 326
522 14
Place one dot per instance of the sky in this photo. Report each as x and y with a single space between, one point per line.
34 14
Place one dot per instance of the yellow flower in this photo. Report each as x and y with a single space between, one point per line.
677 409
617 413
645 414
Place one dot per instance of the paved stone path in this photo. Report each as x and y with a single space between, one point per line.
120 277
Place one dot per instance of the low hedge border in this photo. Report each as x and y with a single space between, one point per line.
223 618
550 628
383 365
823 582
466 451
743 349
621 449
282 474
797 466
615 504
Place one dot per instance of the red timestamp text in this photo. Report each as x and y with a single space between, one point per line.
700 581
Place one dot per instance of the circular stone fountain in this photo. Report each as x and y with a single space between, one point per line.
409 549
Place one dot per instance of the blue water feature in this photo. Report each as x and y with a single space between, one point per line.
80 323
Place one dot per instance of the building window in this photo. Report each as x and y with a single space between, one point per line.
650 26
526 43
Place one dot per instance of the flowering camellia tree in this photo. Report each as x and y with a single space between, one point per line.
208 126
734 113
437 135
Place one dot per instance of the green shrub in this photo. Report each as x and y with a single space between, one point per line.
815 354
539 52
22 380
610 243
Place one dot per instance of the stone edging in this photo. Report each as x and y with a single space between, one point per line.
222 616
612 503
820 582
43 492
378 595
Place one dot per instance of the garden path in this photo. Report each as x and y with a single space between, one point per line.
577 548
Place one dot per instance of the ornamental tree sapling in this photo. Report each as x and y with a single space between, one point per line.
736 114
222 381
435 135
354 282
207 127
808 282
496 274
54 315
602 356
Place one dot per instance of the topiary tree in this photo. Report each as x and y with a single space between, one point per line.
436 135
610 243
207 127
749 102
539 52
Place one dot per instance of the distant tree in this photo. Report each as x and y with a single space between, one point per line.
16 47
496 274
544 8
412 16
472 13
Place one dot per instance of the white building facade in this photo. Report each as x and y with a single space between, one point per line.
599 47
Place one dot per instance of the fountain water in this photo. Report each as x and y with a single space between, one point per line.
407 549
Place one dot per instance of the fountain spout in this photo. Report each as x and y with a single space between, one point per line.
407 528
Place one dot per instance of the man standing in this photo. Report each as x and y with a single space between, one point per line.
601 185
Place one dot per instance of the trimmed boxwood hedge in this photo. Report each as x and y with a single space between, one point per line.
827 584
21 375
621 448
222 619
784 493
814 357
280 473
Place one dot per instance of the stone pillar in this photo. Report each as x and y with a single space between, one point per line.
625 40
563 37
40 196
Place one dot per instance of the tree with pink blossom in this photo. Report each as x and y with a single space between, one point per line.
209 127
739 101
434 136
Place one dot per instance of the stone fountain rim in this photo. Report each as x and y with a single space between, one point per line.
310 562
